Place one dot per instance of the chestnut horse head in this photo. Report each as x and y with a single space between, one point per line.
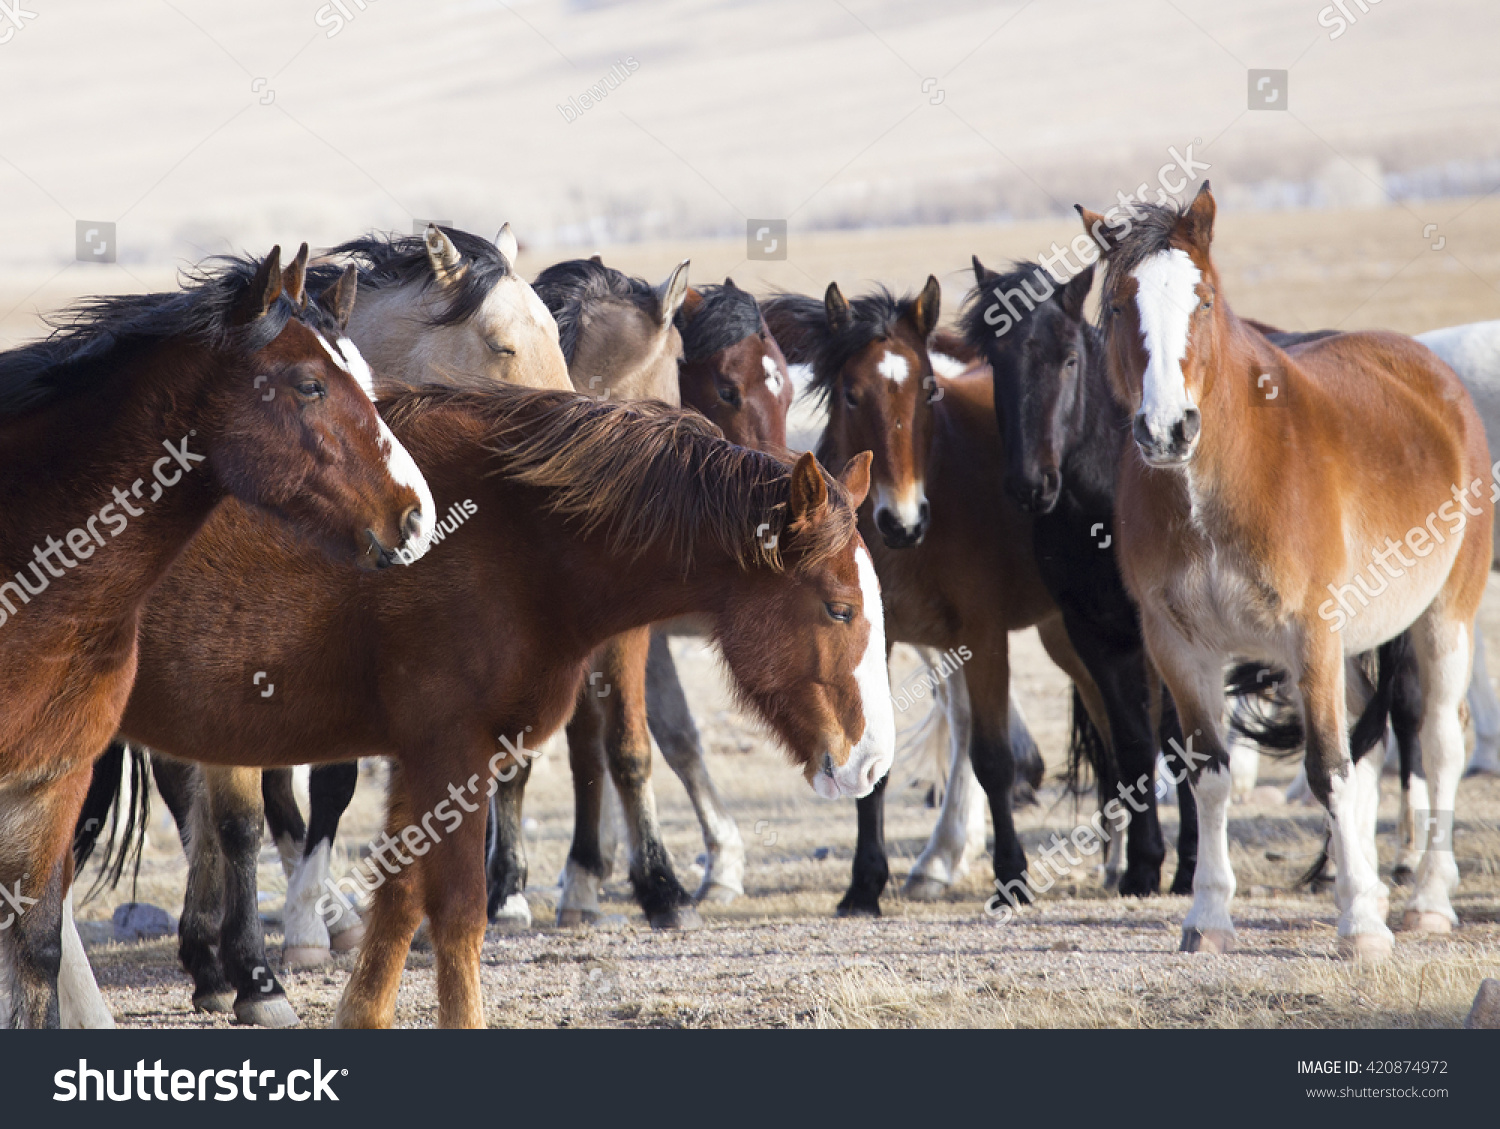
1160 321
732 369
449 308
1033 335
617 332
870 365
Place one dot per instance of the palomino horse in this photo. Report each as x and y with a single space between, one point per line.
449 301
733 373
1245 520
229 388
1064 433
953 552
586 520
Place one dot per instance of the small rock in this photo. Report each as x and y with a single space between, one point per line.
822 853
1267 795
1485 1014
138 921
1065 946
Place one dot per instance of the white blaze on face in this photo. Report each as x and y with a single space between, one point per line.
894 368
398 461
773 375
871 757
1165 299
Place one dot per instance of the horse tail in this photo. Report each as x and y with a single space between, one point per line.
927 737
1260 713
1088 752
126 835
1315 872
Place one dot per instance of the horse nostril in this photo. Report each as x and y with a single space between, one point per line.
413 523
1141 431
870 777
1188 429
1051 483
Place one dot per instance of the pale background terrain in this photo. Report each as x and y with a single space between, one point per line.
151 115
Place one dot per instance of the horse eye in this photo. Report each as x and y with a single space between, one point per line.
496 347
1071 364
1208 304
312 389
1115 310
841 612
851 399
730 395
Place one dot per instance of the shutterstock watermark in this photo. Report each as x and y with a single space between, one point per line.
1064 263
14 17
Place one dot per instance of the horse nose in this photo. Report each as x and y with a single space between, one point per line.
896 533
1141 431
869 776
1177 444
1187 428
1044 497
413 523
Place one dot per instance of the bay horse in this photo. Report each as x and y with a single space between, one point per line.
1246 520
953 551
587 520
1064 433
231 387
444 308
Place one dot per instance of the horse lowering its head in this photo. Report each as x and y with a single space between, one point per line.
289 413
870 365
1037 347
732 369
617 332
449 308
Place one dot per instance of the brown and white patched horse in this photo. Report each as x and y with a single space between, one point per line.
1292 506
121 433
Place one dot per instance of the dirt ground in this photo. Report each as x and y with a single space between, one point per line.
777 957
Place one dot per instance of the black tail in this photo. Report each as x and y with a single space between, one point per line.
1088 752
1262 713
1393 660
126 836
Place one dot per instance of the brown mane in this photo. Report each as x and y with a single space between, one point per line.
644 473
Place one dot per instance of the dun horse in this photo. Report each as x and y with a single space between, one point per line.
1294 530
229 388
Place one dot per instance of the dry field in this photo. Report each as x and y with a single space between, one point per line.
777 957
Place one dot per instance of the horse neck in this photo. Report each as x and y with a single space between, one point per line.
1091 463
98 450
386 327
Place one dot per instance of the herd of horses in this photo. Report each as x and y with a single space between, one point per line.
423 510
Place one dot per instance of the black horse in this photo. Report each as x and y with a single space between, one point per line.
1064 436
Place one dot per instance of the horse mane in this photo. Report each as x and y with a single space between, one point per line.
91 338
1146 234
566 288
978 332
875 315
725 317
388 261
644 473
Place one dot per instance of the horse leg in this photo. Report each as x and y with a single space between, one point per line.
584 871
990 753
203 902
627 744
80 1004
943 860
1484 708
36 871
1444 651
396 909
872 869
1169 732
506 862
309 938
1406 722
671 723
288 831
179 784
451 873
234 802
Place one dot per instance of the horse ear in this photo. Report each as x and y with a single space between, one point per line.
690 304
1094 225
856 478
597 260
1076 290
294 278
809 491
447 263
836 307
929 303
1196 225
264 288
980 271
338 299
669 294
506 244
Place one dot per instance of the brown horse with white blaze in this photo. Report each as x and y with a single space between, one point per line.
1263 488
233 386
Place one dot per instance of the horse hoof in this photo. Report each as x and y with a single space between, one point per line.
1207 941
1424 921
857 909
215 1003
1367 948
304 956
678 917
265 1013
718 894
1402 875
570 918
1111 880
1146 886
921 888
514 916
350 939
1182 885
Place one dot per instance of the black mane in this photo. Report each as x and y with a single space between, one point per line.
90 339
566 288
386 261
726 316
875 315
980 333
